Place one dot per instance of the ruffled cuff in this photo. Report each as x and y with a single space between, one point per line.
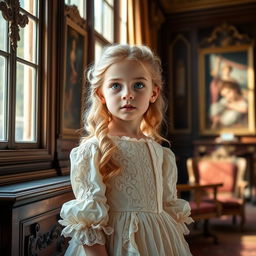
85 235
180 211
183 220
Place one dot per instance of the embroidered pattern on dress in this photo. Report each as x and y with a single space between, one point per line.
81 176
137 182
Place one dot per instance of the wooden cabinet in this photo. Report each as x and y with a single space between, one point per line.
29 217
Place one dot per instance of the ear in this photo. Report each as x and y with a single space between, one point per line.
101 97
155 94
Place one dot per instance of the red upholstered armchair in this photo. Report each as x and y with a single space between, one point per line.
201 210
230 172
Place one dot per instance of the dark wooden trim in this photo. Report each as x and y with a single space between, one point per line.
28 175
30 191
90 22
211 17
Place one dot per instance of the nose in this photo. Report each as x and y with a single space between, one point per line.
128 94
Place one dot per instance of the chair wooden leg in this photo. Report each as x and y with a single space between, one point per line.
207 232
242 221
234 219
195 225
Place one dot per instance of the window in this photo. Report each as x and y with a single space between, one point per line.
104 18
81 6
19 85
27 125
104 24
98 50
110 19
123 21
3 81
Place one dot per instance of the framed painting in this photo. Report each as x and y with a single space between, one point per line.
74 80
227 90
179 81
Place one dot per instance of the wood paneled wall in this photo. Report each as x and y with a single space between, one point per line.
194 26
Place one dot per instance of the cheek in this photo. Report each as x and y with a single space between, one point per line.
111 100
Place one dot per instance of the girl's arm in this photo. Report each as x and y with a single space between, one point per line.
86 217
95 250
178 209
239 106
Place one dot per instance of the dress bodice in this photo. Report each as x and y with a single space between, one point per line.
135 188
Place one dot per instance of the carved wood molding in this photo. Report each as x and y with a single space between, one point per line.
72 12
37 241
12 14
225 35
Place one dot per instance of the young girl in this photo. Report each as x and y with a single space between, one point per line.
124 181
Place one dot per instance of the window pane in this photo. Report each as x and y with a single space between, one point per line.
123 10
27 44
123 21
3 100
108 23
3 33
81 5
123 33
98 15
98 50
26 104
30 6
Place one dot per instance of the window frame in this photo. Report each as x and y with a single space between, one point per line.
37 156
116 29
12 60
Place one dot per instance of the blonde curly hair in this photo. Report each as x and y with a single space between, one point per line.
96 116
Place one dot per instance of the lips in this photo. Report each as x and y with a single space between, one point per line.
128 107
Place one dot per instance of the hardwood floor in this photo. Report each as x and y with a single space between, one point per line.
232 242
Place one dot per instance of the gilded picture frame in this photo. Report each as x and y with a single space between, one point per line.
75 59
226 90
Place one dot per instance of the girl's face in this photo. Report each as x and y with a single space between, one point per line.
127 90
229 93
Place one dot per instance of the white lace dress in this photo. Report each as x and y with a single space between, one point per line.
139 214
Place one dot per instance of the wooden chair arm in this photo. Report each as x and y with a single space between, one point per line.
197 189
189 187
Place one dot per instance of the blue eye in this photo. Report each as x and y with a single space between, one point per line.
139 85
115 86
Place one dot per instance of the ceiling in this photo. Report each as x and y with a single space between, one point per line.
174 6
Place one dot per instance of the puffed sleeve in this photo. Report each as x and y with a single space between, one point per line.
179 209
86 217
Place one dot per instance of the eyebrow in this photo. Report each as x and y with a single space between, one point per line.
140 78
135 78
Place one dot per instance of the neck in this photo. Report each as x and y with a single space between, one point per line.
119 127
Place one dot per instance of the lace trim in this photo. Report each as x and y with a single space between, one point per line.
130 138
82 235
129 243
